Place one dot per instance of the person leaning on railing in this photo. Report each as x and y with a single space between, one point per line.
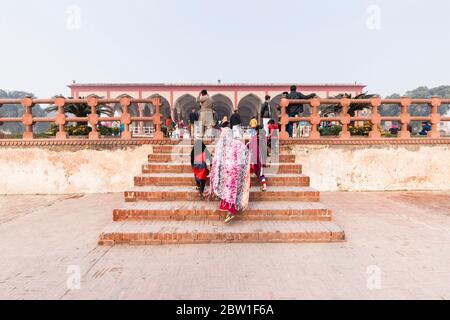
296 109
266 113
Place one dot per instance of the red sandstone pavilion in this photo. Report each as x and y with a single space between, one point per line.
177 100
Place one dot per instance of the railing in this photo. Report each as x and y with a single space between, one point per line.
404 118
143 131
61 119
93 118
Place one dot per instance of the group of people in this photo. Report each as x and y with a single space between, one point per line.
235 160
424 129
205 117
230 169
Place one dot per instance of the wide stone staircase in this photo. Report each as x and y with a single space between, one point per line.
165 208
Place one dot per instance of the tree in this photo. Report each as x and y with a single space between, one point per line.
426 93
421 109
354 107
82 110
390 110
17 111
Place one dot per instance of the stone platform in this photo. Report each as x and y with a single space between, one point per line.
403 235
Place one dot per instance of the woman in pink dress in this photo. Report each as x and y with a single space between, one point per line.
230 174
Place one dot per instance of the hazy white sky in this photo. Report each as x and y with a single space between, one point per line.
392 47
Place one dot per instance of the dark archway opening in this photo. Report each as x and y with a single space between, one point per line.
165 108
222 106
184 106
248 108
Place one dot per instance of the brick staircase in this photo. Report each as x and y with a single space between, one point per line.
164 207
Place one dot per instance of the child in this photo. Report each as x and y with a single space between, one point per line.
258 154
199 156
272 128
253 125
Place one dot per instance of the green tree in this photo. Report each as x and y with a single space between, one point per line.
390 110
82 110
426 93
17 111
421 109
354 107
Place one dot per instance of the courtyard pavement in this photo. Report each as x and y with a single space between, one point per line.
398 247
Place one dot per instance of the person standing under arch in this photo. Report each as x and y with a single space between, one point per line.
266 113
206 118
235 119
193 118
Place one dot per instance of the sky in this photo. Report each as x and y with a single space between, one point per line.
390 46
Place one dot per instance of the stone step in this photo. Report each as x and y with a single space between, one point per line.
187 179
188 148
178 193
208 231
187 210
186 158
176 167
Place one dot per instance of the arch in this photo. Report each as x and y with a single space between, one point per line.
165 107
147 112
184 106
222 106
133 110
249 107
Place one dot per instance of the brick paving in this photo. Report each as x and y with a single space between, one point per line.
406 235
13 207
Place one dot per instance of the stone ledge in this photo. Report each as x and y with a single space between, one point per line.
366 141
139 142
83 142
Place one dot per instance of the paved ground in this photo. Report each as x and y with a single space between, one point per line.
398 248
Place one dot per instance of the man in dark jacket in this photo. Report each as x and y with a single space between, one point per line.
235 119
296 109
266 113
193 118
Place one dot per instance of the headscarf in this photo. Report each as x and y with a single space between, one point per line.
230 174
